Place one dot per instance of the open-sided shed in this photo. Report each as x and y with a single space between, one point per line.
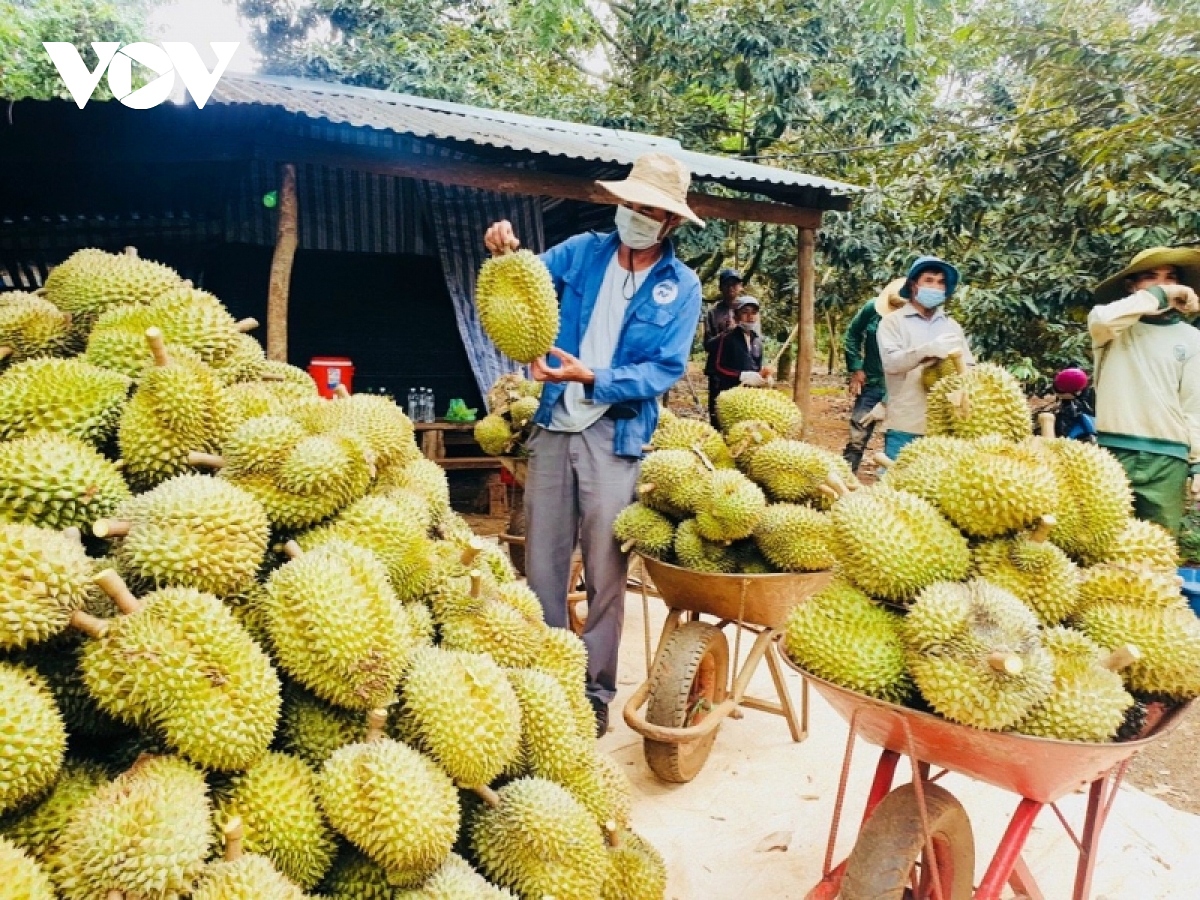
349 220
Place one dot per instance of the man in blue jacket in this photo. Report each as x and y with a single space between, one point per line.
628 312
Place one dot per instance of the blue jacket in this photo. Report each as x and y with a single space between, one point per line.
656 335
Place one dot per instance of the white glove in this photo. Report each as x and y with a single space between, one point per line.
752 379
1181 298
877 414
941 346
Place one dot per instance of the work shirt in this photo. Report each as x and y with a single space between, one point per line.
719 319
1147 377
733 353
902 337
861 345
654 343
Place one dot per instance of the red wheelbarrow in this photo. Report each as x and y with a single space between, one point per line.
915 842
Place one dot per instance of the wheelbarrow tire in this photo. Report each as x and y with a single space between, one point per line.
890 843
694 662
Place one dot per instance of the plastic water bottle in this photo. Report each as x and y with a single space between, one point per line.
412 405
429 407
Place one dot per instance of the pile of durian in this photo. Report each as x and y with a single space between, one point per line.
749 498
999 581
232 609
512 403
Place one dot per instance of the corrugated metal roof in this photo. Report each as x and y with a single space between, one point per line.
437 119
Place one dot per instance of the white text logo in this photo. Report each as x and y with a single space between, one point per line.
165 61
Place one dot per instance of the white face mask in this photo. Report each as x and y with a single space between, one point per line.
636 231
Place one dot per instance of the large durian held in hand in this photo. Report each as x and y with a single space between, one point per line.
517 304
983 400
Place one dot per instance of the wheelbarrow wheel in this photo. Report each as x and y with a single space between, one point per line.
687 683
889 861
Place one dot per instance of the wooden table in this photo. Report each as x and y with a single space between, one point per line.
436 436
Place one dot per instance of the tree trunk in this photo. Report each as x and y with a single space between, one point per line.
281 267
805 320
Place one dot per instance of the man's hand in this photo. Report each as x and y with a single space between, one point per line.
569 369
1182 298
857 380
500 239
751 379
940 347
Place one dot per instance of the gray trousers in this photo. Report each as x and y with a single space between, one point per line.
576 486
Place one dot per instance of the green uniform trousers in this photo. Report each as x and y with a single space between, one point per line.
1159 486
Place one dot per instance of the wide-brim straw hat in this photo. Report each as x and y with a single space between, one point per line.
657 180
1187 261
889 299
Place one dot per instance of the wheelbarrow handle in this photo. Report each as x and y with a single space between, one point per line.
665 734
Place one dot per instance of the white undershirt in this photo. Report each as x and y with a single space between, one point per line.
573 412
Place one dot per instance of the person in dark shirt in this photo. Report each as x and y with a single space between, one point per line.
718 320
737 353
866 387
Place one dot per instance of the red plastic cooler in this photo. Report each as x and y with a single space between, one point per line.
330 371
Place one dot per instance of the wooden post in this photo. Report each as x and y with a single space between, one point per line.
805 321
281 267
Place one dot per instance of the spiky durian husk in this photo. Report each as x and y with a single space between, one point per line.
1145 544
1095 499
497 629
44 578
693 552
672 482
676 433
1168 639
311 729
985 400
730 506
31 326
923 466
249 877
935 372
564 656
636 870
521 597
245 362
32 737
56 481
950 632
36 829
354 876
89 282
421 476
517 305
790 471
842 635
378 420
522 411
795 538
1132 585
745 438
493 435
650 532
551 744
742 404
22 877
1036 572
62 395
455 880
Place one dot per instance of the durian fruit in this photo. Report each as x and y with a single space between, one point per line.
935 372
523 410
551 744
465 711
1088 702
32 737
1132 585
311 729
250 399
191 531
636 870
63 395
790 471
493 435
676 433
741 404
1094 496
91 281
357 877
730 507
337 626
377 420
1168 640
423 477
57 481
31 326
243 876
391 802
44 578
495 628
842 635
1146 544
178 662
455 880
1033 570
984 400
391 529
521 597
564 657
924 466
245 362
36 829
179 408
644 530
144 834
517 305
750 560
537 840
892 544
693 552
672 482
22 877
57 662
276 803
795 538
745 438
975 652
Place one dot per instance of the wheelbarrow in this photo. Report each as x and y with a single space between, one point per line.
916 843
691 685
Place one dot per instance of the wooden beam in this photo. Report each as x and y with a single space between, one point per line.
527 182
805 322
281 267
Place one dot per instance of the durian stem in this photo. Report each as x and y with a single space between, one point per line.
612 835
1008 663
341 392
110 582
90 625
703 458
158 349
1046 424
271 376
233 833
1042 532
5 352
73 534
834 482
737 451
476 584
118 464
188 283
376 722
627 546
292 550
487 795
1122 657
883 460
470 552
959 363
246 325
110 528
645 488
131 251
114 895
206 460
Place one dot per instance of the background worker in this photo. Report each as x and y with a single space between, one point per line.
737 354
719 319
915 336
628 309
1147 376
867 387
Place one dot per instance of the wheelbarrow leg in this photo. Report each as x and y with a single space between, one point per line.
799 729
1009 851
1096 810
